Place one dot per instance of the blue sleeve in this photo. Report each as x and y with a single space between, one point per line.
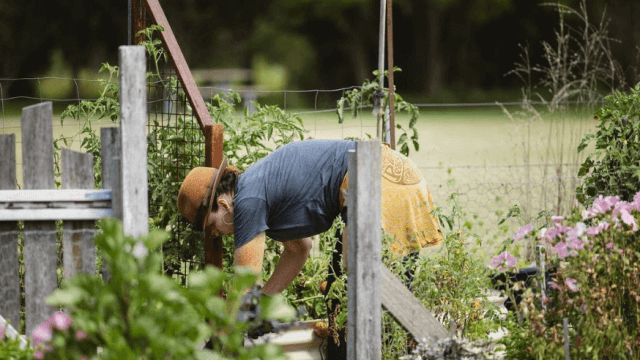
249 220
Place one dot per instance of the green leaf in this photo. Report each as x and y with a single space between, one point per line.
65 297
276 307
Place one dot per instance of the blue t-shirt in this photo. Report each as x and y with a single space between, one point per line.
292 193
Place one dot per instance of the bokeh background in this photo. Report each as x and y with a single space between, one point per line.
478 139
449 50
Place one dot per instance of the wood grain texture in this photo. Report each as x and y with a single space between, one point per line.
9 265
39 236
37 140
16 197
53 214
133 117
364 252
408 310
111 152
79 252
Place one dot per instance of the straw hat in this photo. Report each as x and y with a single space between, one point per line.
197 192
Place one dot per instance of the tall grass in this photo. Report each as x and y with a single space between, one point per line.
576 72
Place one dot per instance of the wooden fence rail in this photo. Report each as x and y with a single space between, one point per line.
39 205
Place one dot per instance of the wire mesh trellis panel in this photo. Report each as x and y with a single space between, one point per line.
176 145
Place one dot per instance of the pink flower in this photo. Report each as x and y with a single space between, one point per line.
636 201
571 284
557 219
523 231
554 285
588 214
561 250
629 220
81 334
599 205
60 320
622 205
563 229
593 231
612 200
500 260
42 333
595 257
576 243
550 234
610 245
38 355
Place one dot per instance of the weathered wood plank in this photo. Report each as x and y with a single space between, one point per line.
79 253
52 214
12 333
39 236
9 266
408 310
44 196
110 145
364 324
110 150
133 117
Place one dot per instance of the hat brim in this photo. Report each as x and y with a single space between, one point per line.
209 202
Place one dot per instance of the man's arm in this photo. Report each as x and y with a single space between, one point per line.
251 254
291 262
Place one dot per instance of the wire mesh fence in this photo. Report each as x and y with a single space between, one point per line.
485 193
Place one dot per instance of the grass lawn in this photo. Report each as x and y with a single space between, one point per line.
492 162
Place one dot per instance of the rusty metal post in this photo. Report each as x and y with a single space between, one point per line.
392 115
180 64
213 251
138 21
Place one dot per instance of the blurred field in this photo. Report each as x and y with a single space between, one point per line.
492 162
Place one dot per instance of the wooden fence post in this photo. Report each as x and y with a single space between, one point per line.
364 324
39 236
9 275
111 153
79 253
133 117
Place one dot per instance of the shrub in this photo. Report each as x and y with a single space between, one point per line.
613 166
595 285
141 313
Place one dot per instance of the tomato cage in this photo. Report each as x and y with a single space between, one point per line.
181 136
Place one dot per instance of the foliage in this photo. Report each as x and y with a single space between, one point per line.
141 313
254 134
10 348
107 106
613 167
594 255
453 282
370 94
174 149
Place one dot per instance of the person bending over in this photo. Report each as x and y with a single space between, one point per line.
296 192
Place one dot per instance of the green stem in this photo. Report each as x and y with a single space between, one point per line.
309 298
